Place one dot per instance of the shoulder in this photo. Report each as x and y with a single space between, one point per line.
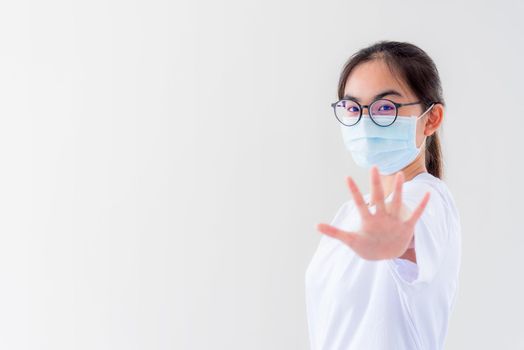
441 209
428 182
425 182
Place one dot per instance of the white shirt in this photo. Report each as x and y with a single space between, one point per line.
353 303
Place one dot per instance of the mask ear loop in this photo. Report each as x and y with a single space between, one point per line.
427 110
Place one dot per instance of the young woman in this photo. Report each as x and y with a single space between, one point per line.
385 273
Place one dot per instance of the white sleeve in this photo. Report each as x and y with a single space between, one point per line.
431 236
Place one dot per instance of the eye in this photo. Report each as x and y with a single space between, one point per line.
352 109
386 108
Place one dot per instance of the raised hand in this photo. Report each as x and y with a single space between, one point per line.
384 234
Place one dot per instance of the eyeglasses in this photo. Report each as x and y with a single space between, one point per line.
382 112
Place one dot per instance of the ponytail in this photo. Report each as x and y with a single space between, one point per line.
434 155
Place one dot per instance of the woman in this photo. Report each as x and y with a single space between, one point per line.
385 273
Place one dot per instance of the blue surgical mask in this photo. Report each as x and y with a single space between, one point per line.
390 148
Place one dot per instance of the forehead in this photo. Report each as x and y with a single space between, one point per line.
370 78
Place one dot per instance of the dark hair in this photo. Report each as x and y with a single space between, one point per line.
418 71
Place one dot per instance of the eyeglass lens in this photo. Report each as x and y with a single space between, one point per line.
382 112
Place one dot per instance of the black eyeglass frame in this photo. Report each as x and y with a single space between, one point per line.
361 108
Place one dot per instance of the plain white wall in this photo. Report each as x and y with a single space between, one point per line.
164 164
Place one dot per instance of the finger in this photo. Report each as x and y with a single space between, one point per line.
344 236
419 210
357 197
377 192
396 203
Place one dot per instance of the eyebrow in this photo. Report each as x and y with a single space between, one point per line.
381 95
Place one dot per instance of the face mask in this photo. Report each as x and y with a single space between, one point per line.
390 148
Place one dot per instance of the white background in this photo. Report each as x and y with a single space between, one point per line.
164 164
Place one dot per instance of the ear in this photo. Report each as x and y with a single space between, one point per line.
435 118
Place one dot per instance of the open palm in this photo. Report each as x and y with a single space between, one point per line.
383 234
